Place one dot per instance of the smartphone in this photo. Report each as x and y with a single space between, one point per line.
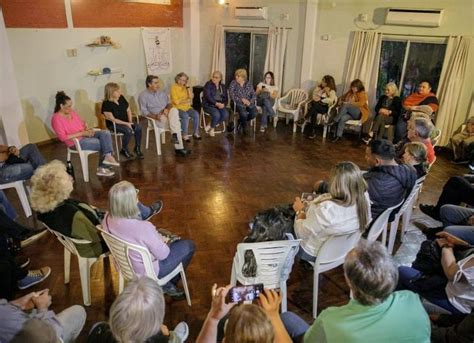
244 293
308 196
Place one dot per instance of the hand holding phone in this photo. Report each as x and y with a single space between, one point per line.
308 197
244 293
219 307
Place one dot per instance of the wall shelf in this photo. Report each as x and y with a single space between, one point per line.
95 45
100 73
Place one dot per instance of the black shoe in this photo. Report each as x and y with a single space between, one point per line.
138 153
312 135
22 261
182 152
366 140
430 211
156 208
174 138
337 139
172 291
126 153
459 161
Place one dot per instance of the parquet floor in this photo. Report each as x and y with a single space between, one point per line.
210 197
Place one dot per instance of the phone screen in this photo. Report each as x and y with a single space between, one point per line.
245 293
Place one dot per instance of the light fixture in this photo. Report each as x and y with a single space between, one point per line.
223 2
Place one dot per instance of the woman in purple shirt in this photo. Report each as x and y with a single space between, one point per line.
242 93
123 220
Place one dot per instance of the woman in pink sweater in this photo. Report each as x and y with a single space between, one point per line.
124 221
68 125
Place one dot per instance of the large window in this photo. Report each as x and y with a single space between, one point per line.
245 50
406 63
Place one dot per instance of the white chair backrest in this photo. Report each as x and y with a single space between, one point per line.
68 242
380 223
295 96
121 250
333 252
409 199
274 261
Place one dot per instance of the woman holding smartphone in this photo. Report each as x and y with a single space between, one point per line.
267 93
181 98
345 208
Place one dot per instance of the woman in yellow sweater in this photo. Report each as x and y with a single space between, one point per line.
353 106
181 98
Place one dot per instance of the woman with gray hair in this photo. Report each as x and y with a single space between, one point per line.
182 99
137 316
375 313
123 220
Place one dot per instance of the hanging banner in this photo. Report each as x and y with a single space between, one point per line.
157 45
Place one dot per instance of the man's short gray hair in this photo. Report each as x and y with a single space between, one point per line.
123 201
423 127
138 312
371 272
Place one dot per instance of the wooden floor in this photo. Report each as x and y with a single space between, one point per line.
210 197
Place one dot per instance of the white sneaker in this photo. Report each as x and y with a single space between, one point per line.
182 331
262 129
101 171
212 132
110 160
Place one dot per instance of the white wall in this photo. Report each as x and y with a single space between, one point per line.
212 14
42 68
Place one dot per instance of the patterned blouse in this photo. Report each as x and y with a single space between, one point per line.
237 92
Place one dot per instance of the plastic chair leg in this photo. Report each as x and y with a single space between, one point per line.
315 293
67 265
147 138
121 282
20 188
284 297
85 166
185 285
84 271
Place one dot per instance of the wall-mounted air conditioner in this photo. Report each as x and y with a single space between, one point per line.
414 17
251 12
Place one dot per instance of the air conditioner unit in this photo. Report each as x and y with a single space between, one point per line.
251 12
414 17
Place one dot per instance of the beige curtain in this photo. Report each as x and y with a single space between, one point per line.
364 60
453 76
218 53
275 57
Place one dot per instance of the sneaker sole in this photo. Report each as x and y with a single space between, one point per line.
33 238
37 282
154 214
115 164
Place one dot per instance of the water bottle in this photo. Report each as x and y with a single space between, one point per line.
70 169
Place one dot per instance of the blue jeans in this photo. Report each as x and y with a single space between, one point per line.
346 112
181 251
246 113
127 134
101 142
408 275
464 232
184 116
22 171
294 325
455 215
218 115
267 110
145 211
401 130
305 256
7 207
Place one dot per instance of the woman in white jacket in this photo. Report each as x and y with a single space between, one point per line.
345 208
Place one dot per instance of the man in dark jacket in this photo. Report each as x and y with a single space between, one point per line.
389 183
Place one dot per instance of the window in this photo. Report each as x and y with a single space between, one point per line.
406 63
245 50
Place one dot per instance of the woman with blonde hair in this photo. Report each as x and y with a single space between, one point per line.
345 208
247 323
414 154
123 221
387 110
182 98
215 100
116 110
242 93
51 188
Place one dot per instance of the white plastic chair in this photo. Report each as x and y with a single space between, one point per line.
159 135
20 189
121 250
83 157
379 225
325 117
253 122
274 263
407 206
331 255
85 263
295 98
203 115
409 211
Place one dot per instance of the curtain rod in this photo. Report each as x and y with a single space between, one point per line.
253 27
412 35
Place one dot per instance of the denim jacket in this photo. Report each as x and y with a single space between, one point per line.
210 91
